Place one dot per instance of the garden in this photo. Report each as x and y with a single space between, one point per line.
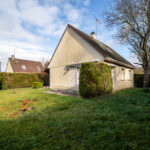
33 119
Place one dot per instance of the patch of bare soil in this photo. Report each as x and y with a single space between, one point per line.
14 114
26 106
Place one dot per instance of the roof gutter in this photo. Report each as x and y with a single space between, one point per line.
118 63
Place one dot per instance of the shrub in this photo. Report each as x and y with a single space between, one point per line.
2 81
44 78
138 80
21 80
37 85
95 80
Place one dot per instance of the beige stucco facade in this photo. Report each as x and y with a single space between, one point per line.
126 82
73 49
61 78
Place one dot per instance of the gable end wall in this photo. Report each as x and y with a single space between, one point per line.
9 67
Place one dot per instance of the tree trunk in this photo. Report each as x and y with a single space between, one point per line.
146 79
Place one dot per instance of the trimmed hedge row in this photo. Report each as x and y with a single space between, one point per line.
21 80
138 80
95 80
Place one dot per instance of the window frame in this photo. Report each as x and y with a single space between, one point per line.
122 77
129 75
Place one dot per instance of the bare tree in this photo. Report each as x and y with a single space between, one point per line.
45 63
131 19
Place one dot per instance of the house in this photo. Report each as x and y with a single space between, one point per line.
74 48
23 66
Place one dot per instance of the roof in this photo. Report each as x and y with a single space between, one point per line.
25 66
108 53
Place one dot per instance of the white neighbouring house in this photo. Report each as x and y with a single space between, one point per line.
74 48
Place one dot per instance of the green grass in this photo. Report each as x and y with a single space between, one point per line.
116 122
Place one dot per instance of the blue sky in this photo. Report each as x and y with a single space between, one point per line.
34 27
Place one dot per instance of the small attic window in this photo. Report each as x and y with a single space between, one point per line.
38 68
23 67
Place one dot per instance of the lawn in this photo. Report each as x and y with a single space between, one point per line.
116 122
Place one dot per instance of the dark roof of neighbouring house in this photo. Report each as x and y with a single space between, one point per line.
25 66
109 54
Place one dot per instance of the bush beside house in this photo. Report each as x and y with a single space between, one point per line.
138 80
21 80
2 80
95 79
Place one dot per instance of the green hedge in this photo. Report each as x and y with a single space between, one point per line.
21 80
95 80
37 85
138 80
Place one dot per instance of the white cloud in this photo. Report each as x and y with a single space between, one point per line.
24 45
29 26
74 15
71 13
10 27
37 14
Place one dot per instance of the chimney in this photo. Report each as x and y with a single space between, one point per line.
93 35
12 57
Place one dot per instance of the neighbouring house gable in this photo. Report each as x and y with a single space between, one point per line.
9 67
73 49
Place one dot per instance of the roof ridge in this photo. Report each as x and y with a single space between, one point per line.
24 60
81 31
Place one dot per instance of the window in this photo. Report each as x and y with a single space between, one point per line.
129 74
23 67
113 74
122 74
38 68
